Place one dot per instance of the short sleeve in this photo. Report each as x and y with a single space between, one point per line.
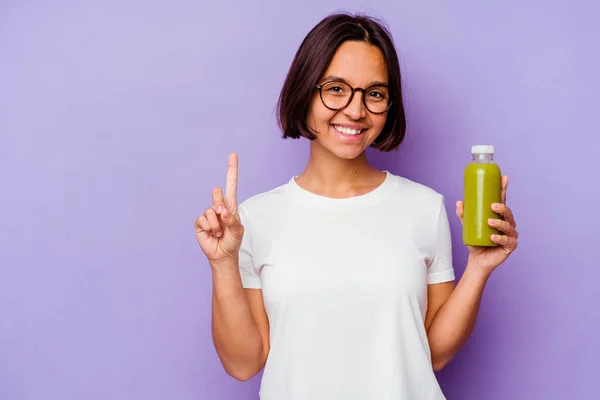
440 269
249 274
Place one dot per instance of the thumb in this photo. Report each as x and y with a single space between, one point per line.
459 210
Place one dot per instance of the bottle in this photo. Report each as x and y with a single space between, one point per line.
482 187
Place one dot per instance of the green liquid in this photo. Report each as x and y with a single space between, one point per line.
482 186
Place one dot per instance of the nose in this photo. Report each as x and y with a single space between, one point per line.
356 109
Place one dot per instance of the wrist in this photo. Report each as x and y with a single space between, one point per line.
225 267
476 272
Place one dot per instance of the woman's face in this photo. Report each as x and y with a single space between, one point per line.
349 131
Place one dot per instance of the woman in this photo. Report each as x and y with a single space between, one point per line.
340 282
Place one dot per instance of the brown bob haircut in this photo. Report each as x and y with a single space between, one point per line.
311 62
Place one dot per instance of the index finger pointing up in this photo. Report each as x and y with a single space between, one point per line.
232 178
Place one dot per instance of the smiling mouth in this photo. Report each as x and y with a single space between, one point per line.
348 131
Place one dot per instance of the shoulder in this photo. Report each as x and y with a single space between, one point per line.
414 192
265 202
420 207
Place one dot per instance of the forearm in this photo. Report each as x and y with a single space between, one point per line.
235 333
455 320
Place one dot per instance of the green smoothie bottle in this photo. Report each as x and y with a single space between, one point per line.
482 186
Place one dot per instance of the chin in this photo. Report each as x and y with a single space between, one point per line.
346 152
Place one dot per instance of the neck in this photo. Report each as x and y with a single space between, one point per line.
329 175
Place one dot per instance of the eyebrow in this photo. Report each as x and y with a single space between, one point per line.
337 78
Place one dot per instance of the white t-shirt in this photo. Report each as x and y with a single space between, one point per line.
344 283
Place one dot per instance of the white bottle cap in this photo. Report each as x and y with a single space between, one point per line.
482 149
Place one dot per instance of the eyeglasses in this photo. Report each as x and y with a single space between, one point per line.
337 95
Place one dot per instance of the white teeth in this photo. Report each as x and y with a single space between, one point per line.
347 131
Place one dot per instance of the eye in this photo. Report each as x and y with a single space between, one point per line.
377 95
335 89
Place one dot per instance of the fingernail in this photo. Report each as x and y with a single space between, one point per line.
491 221
218 234
219 209
495 237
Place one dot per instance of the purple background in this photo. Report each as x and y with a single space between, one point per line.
116 118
